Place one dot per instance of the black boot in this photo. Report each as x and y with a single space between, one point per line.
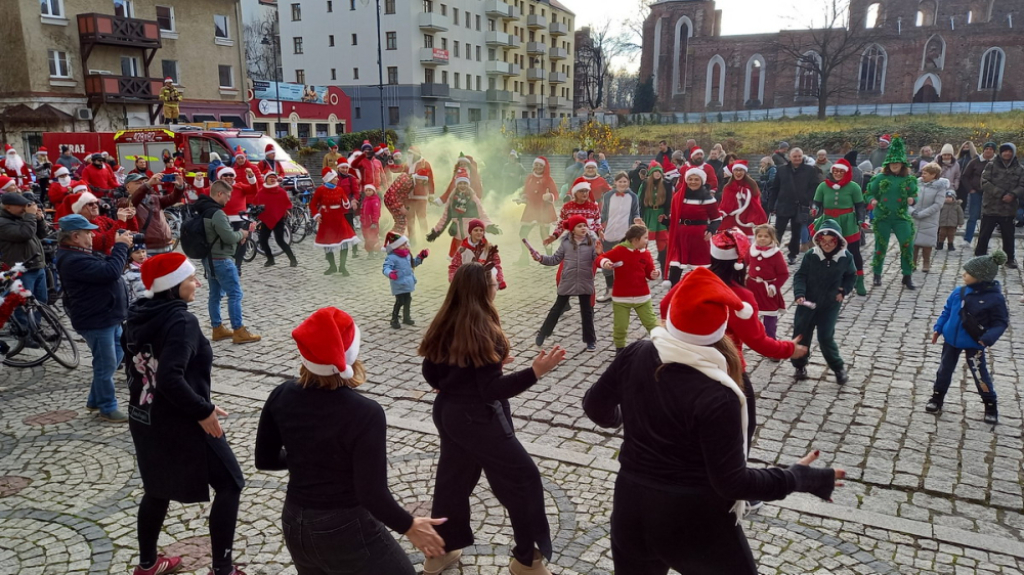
293 263
841 376
407 317
333 269
908 282
270 262
935 403
991 413
540 339
800 374
939 247
342 258
877 281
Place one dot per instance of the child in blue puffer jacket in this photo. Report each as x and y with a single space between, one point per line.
398 268
974 318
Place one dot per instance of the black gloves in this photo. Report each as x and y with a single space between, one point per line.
493 229
433 235
814 480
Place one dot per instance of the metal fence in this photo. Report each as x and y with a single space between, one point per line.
843 110
520 127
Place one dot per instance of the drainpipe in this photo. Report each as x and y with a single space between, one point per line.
242 73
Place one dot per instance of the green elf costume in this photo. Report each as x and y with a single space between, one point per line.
890 194
654 209
839 198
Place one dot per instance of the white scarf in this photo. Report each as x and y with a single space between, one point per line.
711 363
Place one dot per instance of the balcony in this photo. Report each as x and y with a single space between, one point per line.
558 29
535 22
106 89
558 53
557 78
496 39
434 90
536 48
514 41
110 30
534 100
499 96
432 22
558 102
499 9
535 74
499 68
433 57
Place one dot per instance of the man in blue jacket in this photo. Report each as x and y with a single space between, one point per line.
97 303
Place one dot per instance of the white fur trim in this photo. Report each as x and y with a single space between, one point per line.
695 339
746 312
462 179
697 151
699 172
581 186
720 254
79 188
85 198
842 167
225 172
369 187
61 171
331 176
166 282
590 163
401 240
351 354
539 161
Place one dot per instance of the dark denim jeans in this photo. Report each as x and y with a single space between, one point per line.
105 345
224 281
341 541
973 215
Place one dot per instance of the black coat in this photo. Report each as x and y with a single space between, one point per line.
168 362
19 239
793 189
97 297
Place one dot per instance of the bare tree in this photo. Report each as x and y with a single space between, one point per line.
836 39
594 54
260 59
631 39
622 88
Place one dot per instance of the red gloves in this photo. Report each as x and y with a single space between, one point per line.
423 254
393 275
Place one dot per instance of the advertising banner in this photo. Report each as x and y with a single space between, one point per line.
286 92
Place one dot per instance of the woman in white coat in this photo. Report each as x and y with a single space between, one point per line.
931 194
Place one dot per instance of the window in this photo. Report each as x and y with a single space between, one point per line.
227 76
170 70
302 130
872 70
477 22
165 18
715 88
444 43
389 6
330 6
467 19
429 112
428 75
297 44
992 63
753 92
934 57
428 6
451 116
330 41
59 67
393 115
456 85
220 27
927 10
359 112
355 40
52 8
392 75
130 66
469 51
124 9
478 83
391 40
444 9
478 53
428 41
320 130
296 12
355 73
334 74
455 49
351 4
444 76
455 16
490 25
807 75
474 114
300 77
875 16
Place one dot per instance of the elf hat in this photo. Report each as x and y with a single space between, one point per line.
474 224
847 174
463 158
696 150
269 148
79 188
62 171
342 161
897 153
328 342
328 175
80 202
462 176
332 144
985 268
393 240
164 271
580 184
225 171
699 172
699 308
571 223
654 166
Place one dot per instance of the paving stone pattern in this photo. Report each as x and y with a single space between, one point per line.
69 486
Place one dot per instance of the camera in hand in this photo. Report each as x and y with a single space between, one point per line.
168 178
253 212
137 239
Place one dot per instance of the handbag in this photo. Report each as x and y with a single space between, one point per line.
971 324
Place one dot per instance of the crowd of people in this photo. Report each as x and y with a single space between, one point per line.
717 229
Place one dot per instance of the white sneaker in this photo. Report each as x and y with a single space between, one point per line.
666 284
967 245
607 295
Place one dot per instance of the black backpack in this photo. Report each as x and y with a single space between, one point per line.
193 236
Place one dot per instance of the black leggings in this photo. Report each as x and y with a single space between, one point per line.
223 516
278 237
403 301
854 248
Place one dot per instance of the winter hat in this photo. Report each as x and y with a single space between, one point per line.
731 245
590 163
514 154
328 175
783 145
698 309
422 174
742 164
79 188
1008 146
896 153
215 157
225 171
951 194
463 158
697 172
462 176
240 153
886 138
474 224
947 149
865 166
366 144
164 271
13 198
272 173
328 342
80 202
989 145
393 240
696 150
829 227
573 221
847 174
580 184
61 171
331 144
342 161
269 148
654 166
985 268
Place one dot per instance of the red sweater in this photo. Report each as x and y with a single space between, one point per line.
631 277
103 238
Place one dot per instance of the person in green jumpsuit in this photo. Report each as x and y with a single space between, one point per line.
655 200
890 194
840 198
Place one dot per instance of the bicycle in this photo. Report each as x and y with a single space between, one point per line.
252 244
176 215
55 288
43 336
299 221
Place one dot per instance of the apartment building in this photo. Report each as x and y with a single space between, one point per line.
98 65
444 62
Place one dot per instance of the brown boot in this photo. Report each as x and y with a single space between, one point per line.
537 568
242 335
220 332
434 565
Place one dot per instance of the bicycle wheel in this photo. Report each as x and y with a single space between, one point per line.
55 339
250 250
24 350
298 224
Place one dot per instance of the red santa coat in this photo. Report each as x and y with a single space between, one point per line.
57 193
540 193
103 238
100 180
686 243
22 177
631 277
332 204
423 188
482 253
276 202
767 272
598 188
474 181
741 208
242 193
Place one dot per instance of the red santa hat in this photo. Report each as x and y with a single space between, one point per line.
742 164
269 148
696 150
540 160
843 165
731 245
5 181
397 155
474 224
699 172
380 150
462 176
590 163
225 171
164 271
240 153
342 161
9 148
580 184
79 202
328 342
328 175
573 221
370 187
393 240
699 308
61 171
168 79
422 174
80 187
885 138
267 175
41 150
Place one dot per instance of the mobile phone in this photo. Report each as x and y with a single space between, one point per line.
168 178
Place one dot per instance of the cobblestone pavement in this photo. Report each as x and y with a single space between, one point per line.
925 494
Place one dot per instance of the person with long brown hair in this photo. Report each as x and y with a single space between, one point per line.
464 351
684 480
332 441
740 204
655 201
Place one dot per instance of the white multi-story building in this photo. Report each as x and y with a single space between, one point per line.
444 62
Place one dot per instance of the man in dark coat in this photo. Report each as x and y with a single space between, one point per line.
781 155
791 195
970 181
22 225
97 303
1002 186
664 155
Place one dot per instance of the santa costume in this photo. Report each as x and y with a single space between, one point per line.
422 192
463 206
60 186
766 274
700 164
350 184
369 217
13 166
329 206
598 185
482 252
694 213
539 193
267 165
467 164
740 201
587 208
276 203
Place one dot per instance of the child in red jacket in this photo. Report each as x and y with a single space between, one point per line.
370 220
766 275
633 267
